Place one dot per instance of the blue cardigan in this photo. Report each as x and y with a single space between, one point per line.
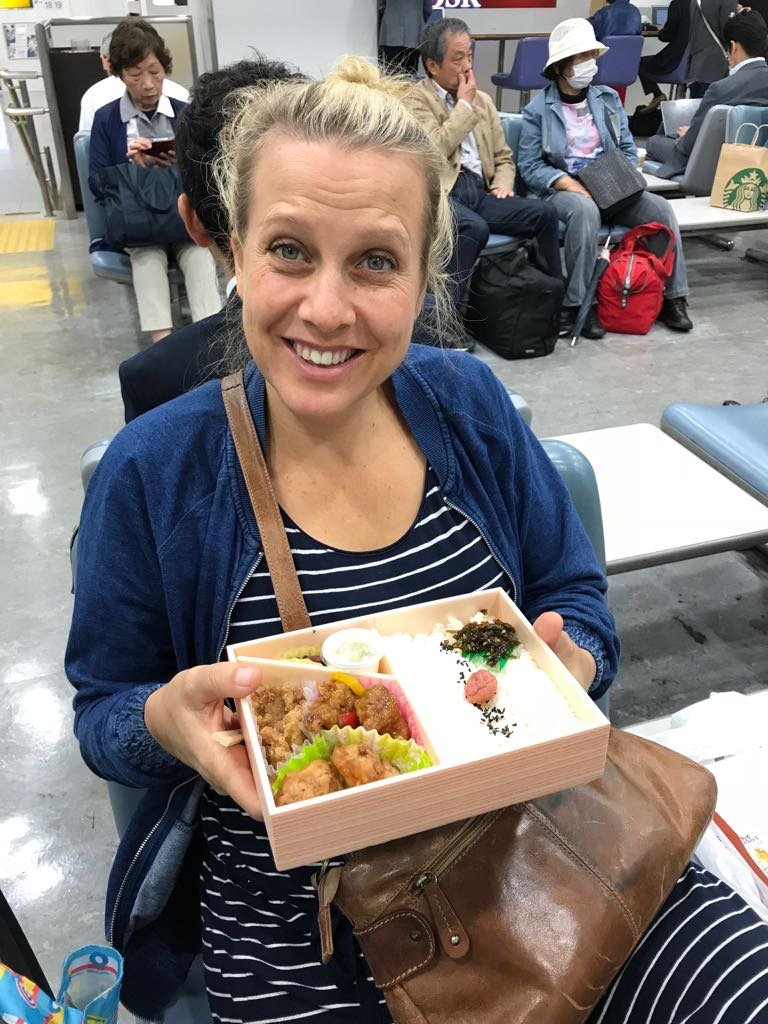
541 152
167 540
109 139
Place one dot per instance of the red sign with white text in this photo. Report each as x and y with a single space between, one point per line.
483 5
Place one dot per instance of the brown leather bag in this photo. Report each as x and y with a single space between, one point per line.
521 916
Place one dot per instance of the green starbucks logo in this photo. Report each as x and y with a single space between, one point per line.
747 191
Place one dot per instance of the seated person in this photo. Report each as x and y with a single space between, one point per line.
112 87
564 128
707 44
335 239
617 18
674 32
123 130
478 170
198 351
747 38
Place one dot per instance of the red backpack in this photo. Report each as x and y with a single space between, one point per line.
631 291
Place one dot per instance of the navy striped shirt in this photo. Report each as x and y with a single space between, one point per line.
441 555
704 960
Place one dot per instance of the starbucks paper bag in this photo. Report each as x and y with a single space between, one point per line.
741 178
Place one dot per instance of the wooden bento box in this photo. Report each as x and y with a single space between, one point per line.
458 785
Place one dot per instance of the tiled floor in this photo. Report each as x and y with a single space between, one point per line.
687 628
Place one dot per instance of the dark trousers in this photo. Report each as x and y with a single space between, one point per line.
646 75
477 213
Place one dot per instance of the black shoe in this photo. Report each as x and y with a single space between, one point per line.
592 328
675 316
567 318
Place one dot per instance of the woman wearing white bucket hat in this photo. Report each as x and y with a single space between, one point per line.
568 125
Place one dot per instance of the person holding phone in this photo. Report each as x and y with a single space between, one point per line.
140 126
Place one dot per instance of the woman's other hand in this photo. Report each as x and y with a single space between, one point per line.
580 663
502 193
138 152
183 715
565 183
166 159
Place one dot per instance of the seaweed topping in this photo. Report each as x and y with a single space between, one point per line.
493 641
493 720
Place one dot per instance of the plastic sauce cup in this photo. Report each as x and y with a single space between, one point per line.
353 650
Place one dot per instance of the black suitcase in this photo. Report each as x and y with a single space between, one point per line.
513 306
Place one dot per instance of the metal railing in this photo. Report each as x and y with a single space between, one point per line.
21 113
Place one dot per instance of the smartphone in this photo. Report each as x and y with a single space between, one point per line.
160 146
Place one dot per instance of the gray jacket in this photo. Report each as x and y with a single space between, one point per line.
402 22
708 63
748 85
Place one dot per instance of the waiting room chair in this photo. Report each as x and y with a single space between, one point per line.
115 266
525 73
579 477
620 65
733 439
678 78
743 114
699 172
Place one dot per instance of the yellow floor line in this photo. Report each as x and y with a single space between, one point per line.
26 236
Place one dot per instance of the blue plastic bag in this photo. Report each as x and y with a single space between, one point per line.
89 991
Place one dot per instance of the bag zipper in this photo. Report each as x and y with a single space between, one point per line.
626 290
451 932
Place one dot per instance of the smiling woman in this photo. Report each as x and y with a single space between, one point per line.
403 474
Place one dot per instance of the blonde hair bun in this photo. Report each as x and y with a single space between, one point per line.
353 70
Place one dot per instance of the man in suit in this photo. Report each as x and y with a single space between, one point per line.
746 37
707 46
198 352
479 170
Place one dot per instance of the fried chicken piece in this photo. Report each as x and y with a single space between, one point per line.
358 764
378 709
333 699
279 711
317 779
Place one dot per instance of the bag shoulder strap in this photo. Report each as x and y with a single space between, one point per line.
277 552
632 242
711 31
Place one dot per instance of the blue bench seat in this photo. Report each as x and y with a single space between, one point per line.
731 438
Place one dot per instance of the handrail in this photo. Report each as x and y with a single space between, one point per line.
25 111
19 76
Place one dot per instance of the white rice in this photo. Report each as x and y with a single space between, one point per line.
531 705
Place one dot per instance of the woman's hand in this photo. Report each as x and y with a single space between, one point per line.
183 715
580 663
565 183
137 152
502 193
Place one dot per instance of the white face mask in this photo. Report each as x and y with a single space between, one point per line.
583 74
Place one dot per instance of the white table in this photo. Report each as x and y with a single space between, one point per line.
696 215
661 503
654 183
